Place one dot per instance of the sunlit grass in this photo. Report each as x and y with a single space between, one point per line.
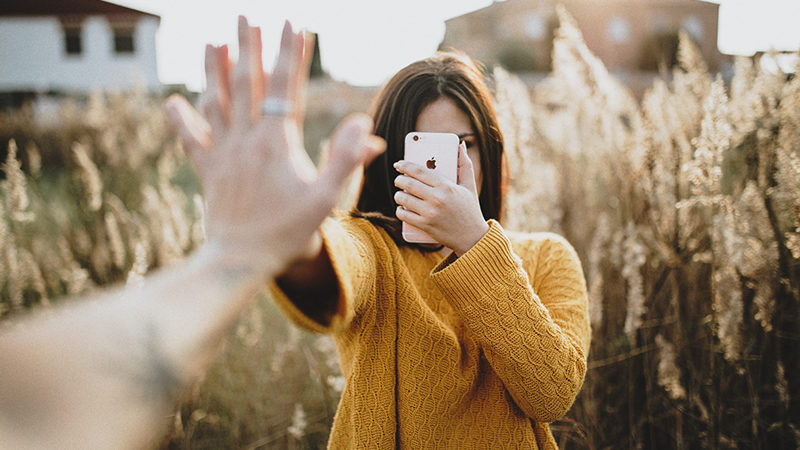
684 208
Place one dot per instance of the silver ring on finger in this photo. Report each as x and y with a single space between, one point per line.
275 106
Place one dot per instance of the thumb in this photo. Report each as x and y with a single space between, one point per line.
466 176
351 146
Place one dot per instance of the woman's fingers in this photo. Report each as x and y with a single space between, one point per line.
449 212
413 186
412 203
410 217
466 176
246 92
420 173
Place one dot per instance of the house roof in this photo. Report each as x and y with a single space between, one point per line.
67 8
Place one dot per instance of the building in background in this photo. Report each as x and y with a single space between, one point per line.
627 35
75 46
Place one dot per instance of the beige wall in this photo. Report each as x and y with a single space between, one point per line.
641 18
486 33
615 30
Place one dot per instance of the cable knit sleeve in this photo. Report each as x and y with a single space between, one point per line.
534 334
353 262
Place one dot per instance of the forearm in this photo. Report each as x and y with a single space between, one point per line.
540 365
323 294
193 306
102 373
312 286
539 361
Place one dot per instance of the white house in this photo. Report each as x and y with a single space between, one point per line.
75 46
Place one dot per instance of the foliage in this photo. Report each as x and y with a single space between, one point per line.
684 208
99 196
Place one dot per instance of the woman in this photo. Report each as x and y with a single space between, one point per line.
477 343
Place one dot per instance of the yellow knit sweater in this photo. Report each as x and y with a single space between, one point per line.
475 352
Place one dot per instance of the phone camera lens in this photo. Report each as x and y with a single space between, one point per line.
416 138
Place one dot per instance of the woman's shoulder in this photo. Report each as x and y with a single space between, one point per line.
541 245
537 239
547 256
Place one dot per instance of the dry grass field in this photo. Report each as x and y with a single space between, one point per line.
684 208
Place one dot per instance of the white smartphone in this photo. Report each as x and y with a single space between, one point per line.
437 152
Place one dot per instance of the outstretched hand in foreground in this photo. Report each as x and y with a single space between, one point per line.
104 372
265 197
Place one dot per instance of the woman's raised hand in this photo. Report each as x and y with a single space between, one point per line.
265 197
448 212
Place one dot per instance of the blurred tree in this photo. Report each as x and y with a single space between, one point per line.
316 60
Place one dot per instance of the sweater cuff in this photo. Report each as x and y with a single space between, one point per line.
334 238
476 273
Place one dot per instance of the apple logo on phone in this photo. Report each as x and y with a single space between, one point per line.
431 163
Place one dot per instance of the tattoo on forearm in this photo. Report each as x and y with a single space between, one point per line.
233 275
155 376
148 372
160 375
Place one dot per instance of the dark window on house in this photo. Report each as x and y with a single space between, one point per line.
72 40
123 40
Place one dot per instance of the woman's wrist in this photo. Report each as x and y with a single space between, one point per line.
312 285
471 239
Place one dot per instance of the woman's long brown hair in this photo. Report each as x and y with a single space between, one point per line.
395 113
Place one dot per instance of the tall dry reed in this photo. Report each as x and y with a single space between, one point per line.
86 192
684 207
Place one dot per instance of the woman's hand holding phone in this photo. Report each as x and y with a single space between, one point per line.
449 212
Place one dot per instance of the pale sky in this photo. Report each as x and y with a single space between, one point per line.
364 42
